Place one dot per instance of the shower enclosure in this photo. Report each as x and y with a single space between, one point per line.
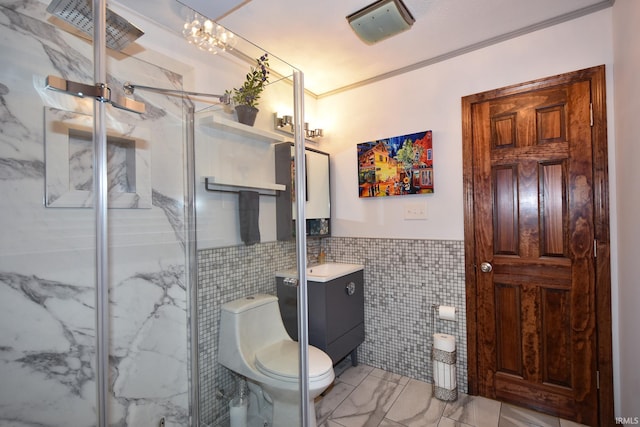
115 258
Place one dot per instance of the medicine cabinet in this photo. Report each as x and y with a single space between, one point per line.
318 197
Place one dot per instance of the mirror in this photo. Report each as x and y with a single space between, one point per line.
318 200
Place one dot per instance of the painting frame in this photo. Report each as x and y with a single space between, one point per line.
396 166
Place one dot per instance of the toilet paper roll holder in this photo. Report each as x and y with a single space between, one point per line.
435 309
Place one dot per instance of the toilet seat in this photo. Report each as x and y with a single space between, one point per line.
280 361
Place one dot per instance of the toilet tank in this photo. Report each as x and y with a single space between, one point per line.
247 325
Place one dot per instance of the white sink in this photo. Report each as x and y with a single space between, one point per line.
324 272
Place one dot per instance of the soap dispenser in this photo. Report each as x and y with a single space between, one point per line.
321 256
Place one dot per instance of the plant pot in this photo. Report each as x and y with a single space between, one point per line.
246 114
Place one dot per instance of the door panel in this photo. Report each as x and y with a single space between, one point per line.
505 185
531 213
508 329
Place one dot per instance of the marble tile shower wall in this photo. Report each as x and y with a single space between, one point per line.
403 279
47 256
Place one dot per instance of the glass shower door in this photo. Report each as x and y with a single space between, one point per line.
235 160
148 238
71 355
47 253
61 341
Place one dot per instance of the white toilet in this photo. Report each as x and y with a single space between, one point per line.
254 343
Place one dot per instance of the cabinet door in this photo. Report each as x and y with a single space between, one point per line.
318 200
344 310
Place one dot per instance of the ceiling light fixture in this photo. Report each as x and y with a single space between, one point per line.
381 20
208 35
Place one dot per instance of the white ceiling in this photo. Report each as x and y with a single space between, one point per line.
314 36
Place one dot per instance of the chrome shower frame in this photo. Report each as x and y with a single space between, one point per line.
101 216
192 268
301 244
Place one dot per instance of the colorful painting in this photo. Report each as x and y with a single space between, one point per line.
396 166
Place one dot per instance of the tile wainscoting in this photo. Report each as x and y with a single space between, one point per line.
404 279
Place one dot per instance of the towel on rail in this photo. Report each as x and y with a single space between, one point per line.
249 212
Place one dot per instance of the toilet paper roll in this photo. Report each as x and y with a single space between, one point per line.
444 375
446 312
444 342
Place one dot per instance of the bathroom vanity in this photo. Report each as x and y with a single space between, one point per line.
336 307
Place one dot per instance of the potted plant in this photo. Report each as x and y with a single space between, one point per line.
245 98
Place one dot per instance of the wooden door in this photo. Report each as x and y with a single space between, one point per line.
531 233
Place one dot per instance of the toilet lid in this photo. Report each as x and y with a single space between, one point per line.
281 360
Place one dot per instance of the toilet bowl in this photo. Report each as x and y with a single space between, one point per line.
254 343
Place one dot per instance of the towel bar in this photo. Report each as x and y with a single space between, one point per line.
263 190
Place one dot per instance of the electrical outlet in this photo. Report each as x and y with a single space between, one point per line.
415 210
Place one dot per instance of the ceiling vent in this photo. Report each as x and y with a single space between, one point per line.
381 20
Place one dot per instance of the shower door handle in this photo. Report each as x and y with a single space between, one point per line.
99 91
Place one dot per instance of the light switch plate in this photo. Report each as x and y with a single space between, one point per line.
415 210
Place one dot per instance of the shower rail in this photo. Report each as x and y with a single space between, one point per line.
129 88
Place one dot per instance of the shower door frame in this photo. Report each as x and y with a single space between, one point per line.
301 244
101 215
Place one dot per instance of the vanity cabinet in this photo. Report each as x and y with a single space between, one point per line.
336 314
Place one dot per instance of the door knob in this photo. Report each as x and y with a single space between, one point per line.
486 267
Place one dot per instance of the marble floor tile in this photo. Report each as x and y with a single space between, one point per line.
448 422
388 376
389 423
367 405
416 406
513 416
474 410
331 399
355 375
364 396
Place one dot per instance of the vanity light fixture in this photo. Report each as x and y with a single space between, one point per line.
208 35
380 20
284 121
285 124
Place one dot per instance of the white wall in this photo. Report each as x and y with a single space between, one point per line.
220 153
626 14
430 98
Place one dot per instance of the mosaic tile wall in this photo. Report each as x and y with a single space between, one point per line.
225 274
403 280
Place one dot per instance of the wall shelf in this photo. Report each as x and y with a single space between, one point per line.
211 183
218 122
